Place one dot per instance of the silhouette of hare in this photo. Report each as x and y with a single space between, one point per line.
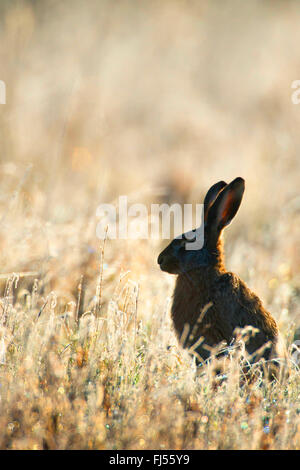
215 303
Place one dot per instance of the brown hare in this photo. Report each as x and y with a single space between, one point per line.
212 302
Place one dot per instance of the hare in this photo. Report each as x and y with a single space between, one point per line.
215 303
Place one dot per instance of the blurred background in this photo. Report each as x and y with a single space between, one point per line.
158 101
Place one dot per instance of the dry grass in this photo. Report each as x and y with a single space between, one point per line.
132 98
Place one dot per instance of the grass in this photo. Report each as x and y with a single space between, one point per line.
109 381
157 102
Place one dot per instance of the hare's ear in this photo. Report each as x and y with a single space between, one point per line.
226 205
211 195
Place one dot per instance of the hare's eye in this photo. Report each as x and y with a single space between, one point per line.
188 237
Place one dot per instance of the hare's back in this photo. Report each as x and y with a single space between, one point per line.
242 306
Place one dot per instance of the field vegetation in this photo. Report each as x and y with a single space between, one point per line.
155 100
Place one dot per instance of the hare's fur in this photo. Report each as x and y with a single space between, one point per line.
202 280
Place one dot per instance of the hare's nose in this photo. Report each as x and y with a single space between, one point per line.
160 258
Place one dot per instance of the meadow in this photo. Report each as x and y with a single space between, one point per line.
156 101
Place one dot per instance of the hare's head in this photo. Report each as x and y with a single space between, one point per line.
221 203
